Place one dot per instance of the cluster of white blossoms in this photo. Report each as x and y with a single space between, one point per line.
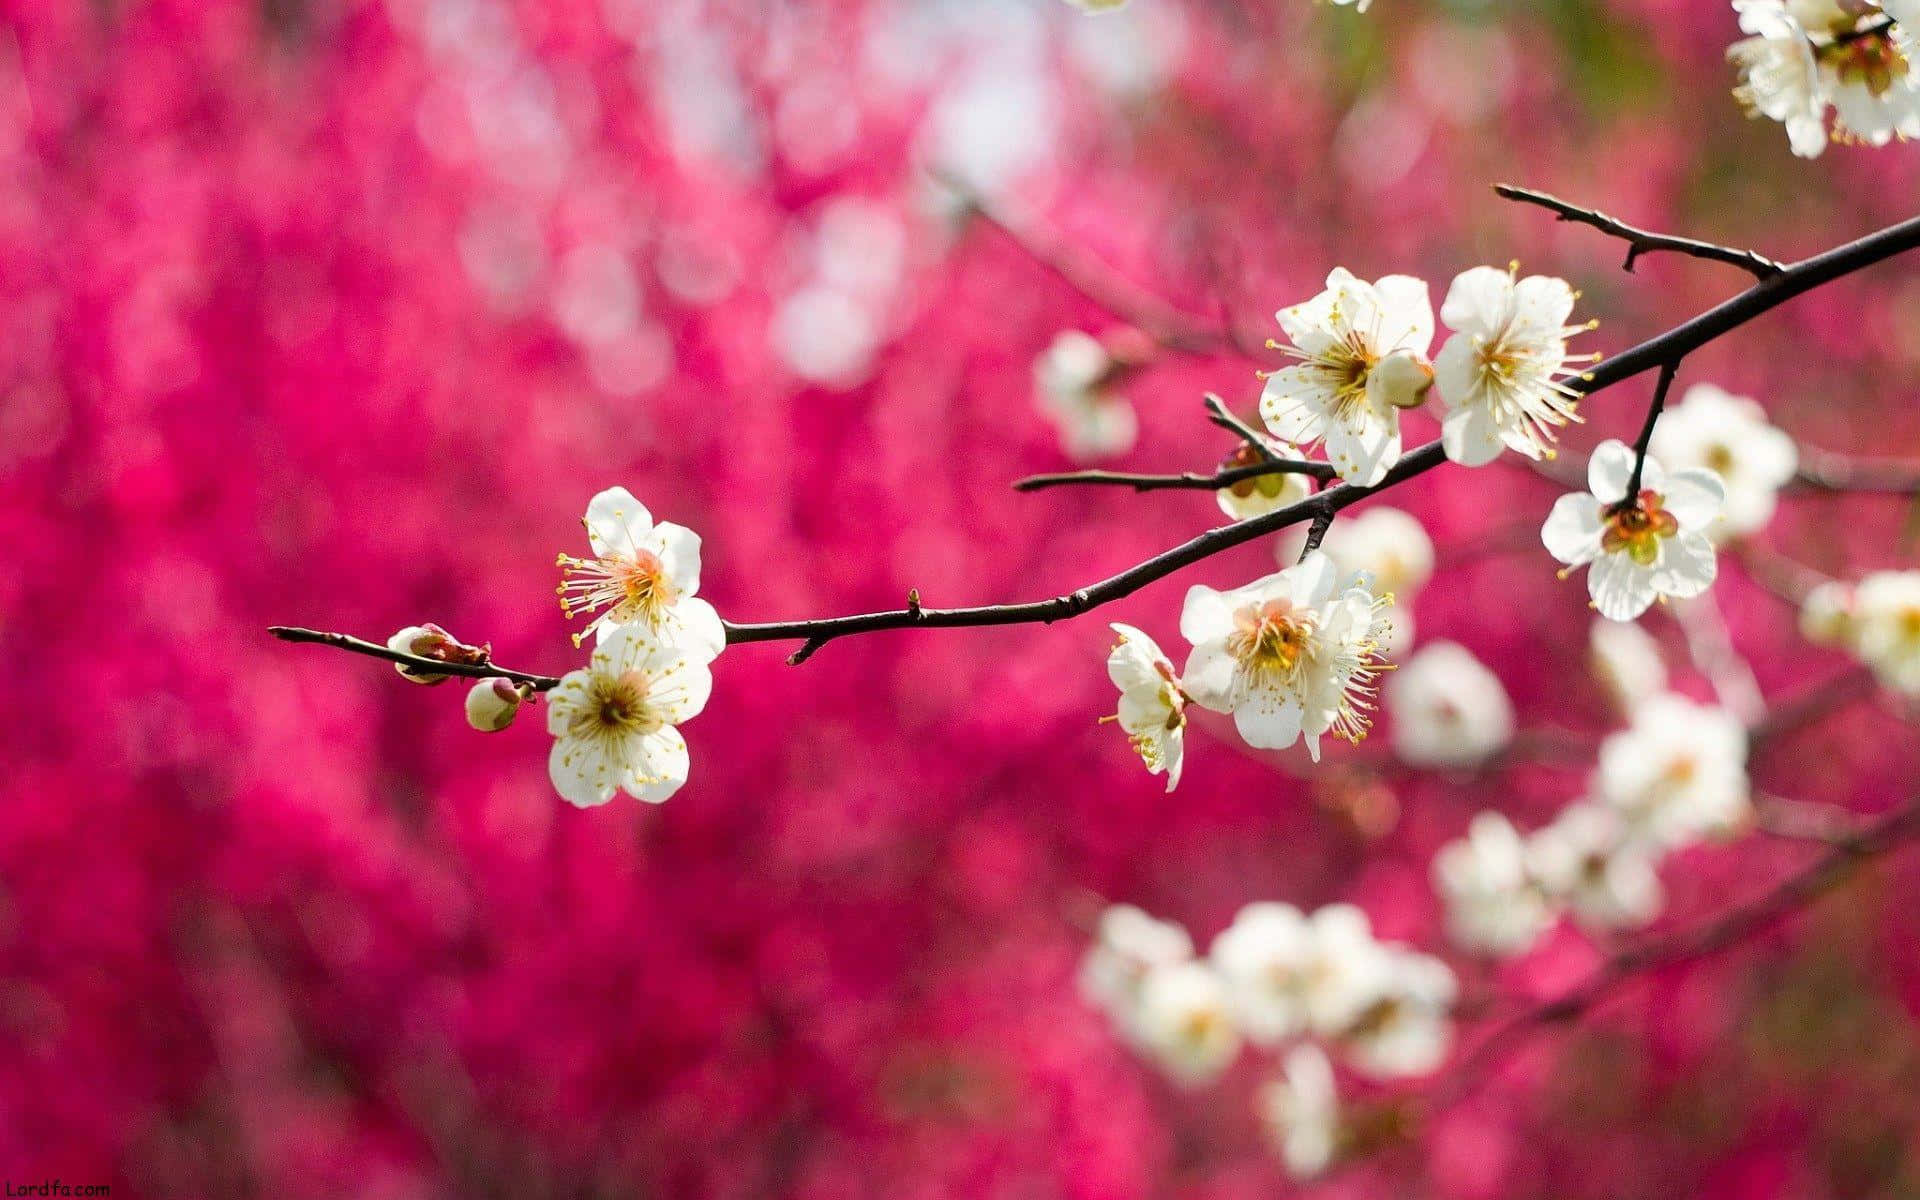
1274 978
1854 57
1073 382
1877 619
1641 547
1675 775
1293 656
1362 351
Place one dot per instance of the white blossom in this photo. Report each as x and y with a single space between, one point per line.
1627 661
1886 627
492 704
1587 860
1391 549
1677 773
1805 56
1301 1112
1362 349
1729 435
1343 972
1448 709
1501 372
1185 1022
615 723
1492 904
1654 544
1826 614
1265 956
1073 381
1098 6
1403 1029
1263 493
640 574
1293 655
1153 707
1129 945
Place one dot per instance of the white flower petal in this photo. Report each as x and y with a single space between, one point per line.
1687 566
1573 529
617 523
1609 470
1621 588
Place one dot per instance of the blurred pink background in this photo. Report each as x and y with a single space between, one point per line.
335 313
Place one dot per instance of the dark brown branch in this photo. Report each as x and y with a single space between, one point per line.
1642 241
425 666
1641 444
1221 415
1846 850
1657 351
1225 477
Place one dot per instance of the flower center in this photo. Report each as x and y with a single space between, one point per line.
1269 638
1870 59
1201 1025
632 586
1635 528
617 707
1720 459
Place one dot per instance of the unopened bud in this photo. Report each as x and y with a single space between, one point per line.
1402 379
492 703
1826 615
422 641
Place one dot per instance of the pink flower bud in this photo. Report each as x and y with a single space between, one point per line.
425 641
492 703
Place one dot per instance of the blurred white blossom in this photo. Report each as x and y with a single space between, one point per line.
1391 549
1587 860
1677 773
1448 709
1627 661
1265 957
1128 946
1492 904
1404 1028
1729 436
1185 1023
1072 380
1886 627
1301 1112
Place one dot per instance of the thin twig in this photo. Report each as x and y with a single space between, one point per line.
1225 477
424 666
1876 837
1642 241
1786 578
1668 370
1221 415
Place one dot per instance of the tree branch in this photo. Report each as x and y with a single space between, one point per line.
1829 472
1226 477
1657 351
1642 241
1668 370
425 666
1831 868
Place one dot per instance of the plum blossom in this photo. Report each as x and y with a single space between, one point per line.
1886 627
1072 380
1588 861
640 574
1403 1029
1293 655
1341 974
1301 1112
615 723
1389 548
1128 947
1492 905
492 703
1501 373
1826 614
1642 547
1153 706
1185 1023
1626 660
1448 709
1679 772
429 641
1805 56
1362 351
1264 956
1263 493
1729 435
